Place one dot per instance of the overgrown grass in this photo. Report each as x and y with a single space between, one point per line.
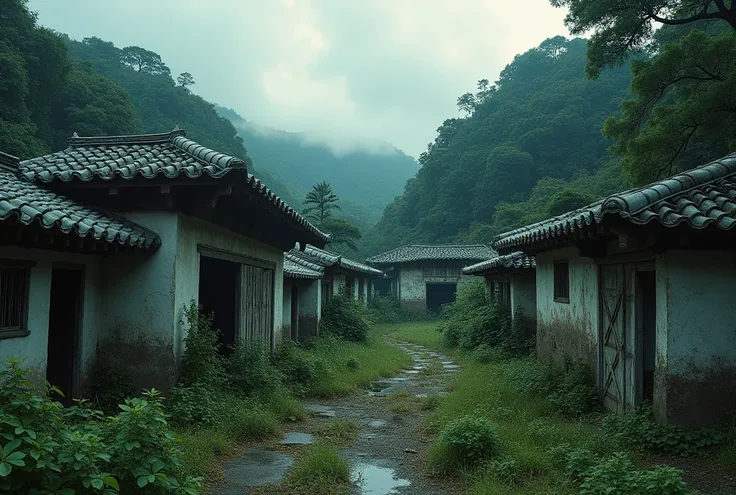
322 470
421 333
340 432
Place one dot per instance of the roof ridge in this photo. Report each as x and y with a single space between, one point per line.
205 154
9 162
161 137
627 203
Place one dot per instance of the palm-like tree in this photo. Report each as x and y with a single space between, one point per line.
320 202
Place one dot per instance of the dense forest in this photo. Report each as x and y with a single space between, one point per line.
366 181
569 122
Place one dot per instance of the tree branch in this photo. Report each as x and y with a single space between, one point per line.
668 166
687 20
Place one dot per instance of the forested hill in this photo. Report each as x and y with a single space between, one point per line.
542 119
371 179
161 103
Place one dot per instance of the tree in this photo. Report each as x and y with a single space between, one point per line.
320 202
342 233
143 60
467 103
625 26
185 79
568 200
683 110
554 47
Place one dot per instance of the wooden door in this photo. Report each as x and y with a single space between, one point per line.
258 304
616 343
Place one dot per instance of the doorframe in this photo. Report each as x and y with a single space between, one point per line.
78 331
638 325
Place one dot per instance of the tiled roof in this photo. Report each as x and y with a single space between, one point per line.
298 270
29 204
516 260
170 155
332 259
419 252
704 197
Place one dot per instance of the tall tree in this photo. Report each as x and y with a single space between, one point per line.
320 202
623 26
343 234
143 60
185 79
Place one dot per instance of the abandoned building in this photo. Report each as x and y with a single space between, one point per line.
337 273
189 224
509 280
640 286
302 297
424 277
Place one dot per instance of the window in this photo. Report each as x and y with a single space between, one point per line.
14 282
326 292
562 281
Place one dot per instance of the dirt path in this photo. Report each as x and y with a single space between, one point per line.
387 456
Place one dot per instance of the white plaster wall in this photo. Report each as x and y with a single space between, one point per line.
412 289
194 232
524 294
701 314
286 305
567 328
34 346
139 288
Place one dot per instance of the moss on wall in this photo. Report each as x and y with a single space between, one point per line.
557 339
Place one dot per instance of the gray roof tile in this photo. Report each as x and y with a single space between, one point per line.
517 260
29 204
342 262
420 252
298 269
704 197
170 155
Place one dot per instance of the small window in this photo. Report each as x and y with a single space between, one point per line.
326 292
14 282
562 281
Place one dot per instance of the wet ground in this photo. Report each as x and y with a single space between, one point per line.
386 458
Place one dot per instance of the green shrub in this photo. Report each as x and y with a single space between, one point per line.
108 386
342 432
464 443
47 449
245 419
346 318
386 309
322 467
201 361
249 370
352 364
297 369
615 474
570 389
484 354
639 429
194 405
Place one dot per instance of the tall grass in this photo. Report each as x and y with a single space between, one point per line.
421 333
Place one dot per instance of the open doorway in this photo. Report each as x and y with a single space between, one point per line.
646 297
439 294
65 324
219 295
294 313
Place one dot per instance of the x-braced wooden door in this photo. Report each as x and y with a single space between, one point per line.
616 337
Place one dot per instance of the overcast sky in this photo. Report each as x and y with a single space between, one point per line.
345 70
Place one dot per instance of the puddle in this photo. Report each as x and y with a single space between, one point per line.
375 480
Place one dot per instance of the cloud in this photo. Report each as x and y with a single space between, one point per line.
343 71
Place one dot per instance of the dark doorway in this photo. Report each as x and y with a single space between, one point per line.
439 294
383 286
219 295
646 287
294 313
65 323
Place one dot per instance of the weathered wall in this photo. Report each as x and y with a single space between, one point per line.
310 309
193 233
567 329
524 294
139 306
465 280
412 289
338 282
34 346
286 310
700 364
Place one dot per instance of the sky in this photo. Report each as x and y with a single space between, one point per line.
350 73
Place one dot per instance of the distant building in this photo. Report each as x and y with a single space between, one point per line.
107 241
312 277
640 286
424 277
510 280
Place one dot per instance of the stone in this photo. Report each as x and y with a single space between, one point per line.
297 438
320 410
377 423
256 467
411 372
452 366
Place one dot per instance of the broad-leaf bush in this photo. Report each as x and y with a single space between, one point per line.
345 317
46 449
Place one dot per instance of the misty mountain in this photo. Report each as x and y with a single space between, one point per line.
369 179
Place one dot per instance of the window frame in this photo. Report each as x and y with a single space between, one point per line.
561 288
25 267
